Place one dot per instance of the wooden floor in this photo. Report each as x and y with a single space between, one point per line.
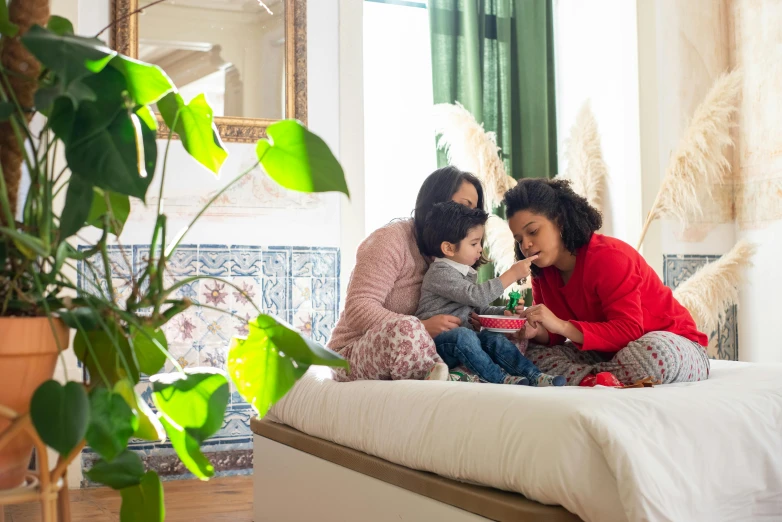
223 499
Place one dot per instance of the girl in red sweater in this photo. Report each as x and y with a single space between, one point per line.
598 293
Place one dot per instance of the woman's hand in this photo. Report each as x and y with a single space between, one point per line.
539 316
441 323
475 322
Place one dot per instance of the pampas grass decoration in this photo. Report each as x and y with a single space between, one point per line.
586 169
714 287
469 147
700 160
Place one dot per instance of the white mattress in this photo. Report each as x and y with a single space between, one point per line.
688 452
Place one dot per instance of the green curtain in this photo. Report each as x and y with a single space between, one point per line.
496 57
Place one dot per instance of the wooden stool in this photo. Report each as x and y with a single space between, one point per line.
49 487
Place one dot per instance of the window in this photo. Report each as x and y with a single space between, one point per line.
398 137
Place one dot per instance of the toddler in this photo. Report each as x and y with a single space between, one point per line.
452 235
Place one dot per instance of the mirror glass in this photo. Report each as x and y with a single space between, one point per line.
231 50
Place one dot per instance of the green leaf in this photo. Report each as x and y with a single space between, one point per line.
299 160
82 318
266 365
143 502
77 206
146 115
195 126
146 83
104 152
151 357
120 208
70 57
192 407
6 110
104 355
149 427
6 27
59 25
188 449
112 423
60 414
124 471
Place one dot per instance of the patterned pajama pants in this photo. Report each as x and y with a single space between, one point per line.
396 349
665 356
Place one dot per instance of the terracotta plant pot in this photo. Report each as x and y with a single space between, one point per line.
28 355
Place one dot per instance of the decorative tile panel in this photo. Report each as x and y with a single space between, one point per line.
724 341
300 285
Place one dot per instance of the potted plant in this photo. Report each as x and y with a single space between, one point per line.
62 92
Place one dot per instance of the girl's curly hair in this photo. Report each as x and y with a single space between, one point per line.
554 198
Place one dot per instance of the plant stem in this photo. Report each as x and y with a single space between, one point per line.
10 221
104 252
48 310
137 11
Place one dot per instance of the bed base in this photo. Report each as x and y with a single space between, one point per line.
298 477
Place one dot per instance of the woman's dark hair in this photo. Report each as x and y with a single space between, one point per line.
450 222
554 198
439 187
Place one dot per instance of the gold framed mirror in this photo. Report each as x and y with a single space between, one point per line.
250 58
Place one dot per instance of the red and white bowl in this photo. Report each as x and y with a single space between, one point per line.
502 323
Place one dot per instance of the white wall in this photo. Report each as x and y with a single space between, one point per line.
756 46
597 60
399 144
689 40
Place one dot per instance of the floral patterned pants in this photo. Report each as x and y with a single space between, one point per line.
664 356
399 348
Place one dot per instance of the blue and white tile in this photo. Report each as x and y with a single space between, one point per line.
276 262
144 390
214 293
723 342
322 325
184 328
246 261
301 292
213 355
324 263
236 425
185 354
189 290
302 320
217 326
301 263
182 263
248 292
275 295
324 294
214 260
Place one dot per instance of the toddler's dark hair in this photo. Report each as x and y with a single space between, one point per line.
450 221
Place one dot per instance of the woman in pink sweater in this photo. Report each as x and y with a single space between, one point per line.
377 332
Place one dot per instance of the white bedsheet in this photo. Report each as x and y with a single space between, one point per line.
705 451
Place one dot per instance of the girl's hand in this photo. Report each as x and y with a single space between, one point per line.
441 323
540 316
530 332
